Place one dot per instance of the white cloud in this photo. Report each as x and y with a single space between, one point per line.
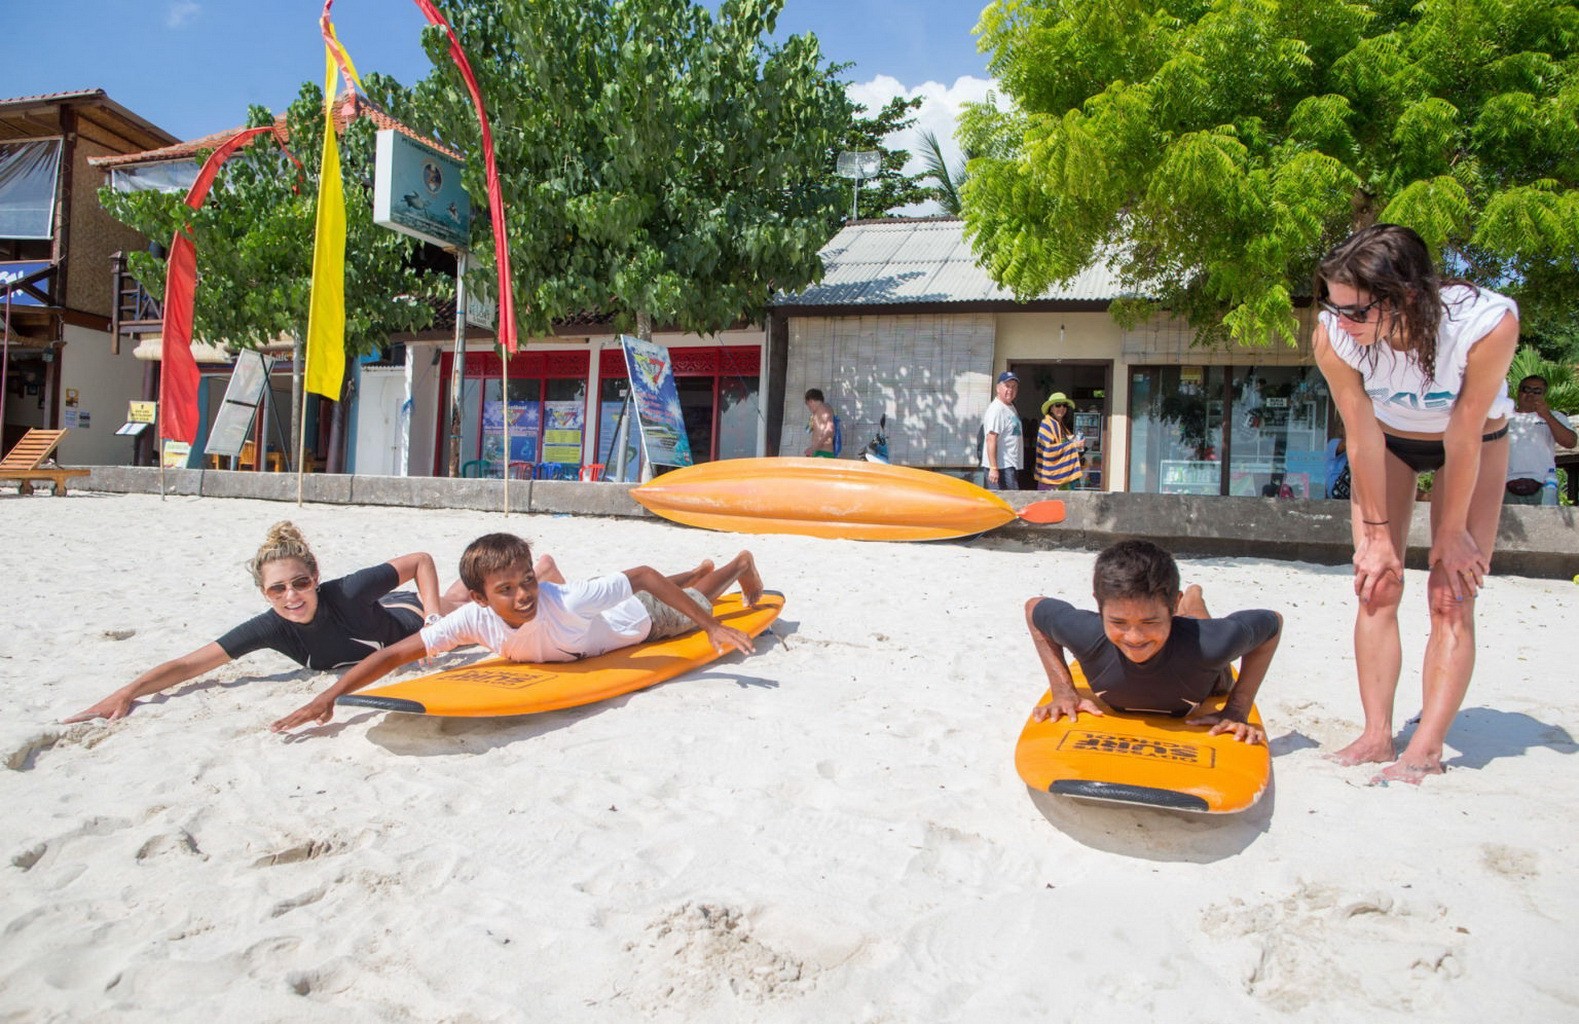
939 113
180 12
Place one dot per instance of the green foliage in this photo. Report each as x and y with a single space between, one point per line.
657 160
254 239
1211 152
947 182
1562 386
892 188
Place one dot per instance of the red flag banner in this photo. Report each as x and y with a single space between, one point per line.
501 243
178 374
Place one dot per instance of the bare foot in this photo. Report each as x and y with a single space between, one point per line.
750 580
1407 771
1364 751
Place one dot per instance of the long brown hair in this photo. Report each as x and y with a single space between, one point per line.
1392 264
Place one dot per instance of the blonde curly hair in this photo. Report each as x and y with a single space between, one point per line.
284 540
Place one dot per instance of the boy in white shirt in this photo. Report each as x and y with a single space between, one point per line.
517 616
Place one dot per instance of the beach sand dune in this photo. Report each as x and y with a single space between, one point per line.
831 829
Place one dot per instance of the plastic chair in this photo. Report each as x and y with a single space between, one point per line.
475 468
592 471
556 470
521 470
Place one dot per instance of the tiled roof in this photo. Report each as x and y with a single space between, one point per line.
344 113
898 262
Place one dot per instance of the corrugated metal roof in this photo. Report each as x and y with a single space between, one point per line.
900 262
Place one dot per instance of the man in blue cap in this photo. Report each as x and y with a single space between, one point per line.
1003 440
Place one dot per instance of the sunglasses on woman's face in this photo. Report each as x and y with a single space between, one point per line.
300 584
1353 314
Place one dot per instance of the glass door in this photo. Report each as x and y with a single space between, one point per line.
1176 429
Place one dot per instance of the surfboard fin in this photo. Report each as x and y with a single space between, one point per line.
1043 512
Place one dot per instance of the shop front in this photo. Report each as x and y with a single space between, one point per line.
550 430
1258 431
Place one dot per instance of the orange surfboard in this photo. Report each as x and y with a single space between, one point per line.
836 498
498 687
1149 760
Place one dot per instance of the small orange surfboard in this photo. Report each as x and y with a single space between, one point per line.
1148 760
498 687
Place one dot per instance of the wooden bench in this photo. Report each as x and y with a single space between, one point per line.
24 463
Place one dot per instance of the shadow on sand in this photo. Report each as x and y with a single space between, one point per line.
428 736
1486 734
1155 833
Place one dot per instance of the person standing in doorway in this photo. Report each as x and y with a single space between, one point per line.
1535 433
1058 449
823 427
1003 440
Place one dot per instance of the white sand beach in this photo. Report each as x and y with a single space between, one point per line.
829 830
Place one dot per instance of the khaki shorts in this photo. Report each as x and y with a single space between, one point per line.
667 621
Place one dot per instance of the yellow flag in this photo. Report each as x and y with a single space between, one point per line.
326 315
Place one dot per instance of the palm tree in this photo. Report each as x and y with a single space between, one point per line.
950 181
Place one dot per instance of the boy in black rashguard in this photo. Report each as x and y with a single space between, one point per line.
1149 648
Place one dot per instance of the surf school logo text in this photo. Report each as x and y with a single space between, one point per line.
504 678
1136 746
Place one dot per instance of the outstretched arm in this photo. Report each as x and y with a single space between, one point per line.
1065 701
646 578
177 670
1375 556
419 566
1236 710
365 672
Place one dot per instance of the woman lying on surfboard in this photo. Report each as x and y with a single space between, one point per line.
321 626
518 615
1150 648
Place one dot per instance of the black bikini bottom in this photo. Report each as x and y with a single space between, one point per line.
1428 456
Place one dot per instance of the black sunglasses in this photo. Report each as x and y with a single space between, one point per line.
1353 314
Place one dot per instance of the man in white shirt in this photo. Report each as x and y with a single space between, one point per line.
1535 433
1003 439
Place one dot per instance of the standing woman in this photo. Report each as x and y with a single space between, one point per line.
1057 449
1418 369
321 626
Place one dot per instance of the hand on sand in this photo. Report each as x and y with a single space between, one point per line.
116 705
319 710
726 637
1068 707
1241 730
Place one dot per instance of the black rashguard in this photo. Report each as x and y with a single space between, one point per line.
1178 678
354 619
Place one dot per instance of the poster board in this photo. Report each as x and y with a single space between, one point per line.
524 429
657 403
564 424
248 377
417 191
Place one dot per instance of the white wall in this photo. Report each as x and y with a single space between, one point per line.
931 374
105 384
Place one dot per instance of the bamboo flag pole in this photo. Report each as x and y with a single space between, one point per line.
504 385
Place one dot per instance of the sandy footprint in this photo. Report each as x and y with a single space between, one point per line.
1320 943
699 954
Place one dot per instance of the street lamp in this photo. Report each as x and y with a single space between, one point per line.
861 163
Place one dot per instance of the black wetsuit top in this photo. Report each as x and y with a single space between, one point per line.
357 615
1177 678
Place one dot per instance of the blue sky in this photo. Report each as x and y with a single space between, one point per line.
193 66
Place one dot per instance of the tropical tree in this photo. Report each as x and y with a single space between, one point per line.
254 240
891 189
1212 151
948 183
659 162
